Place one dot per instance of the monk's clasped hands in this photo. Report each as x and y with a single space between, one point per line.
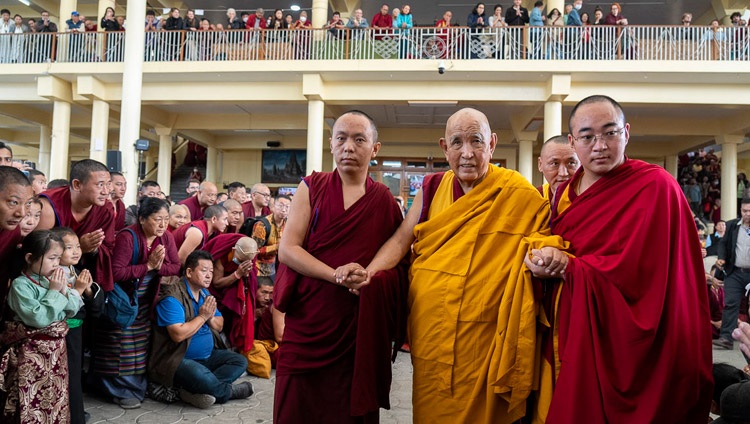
352 276
742 335
547 262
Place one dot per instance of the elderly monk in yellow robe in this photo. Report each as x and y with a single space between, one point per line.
472 305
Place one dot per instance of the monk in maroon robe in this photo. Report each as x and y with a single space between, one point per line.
334 359
119 187
195 235
634 333
15 198
85 207
206 197
234 284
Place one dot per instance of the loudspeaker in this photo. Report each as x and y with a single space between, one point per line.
273 143
114 160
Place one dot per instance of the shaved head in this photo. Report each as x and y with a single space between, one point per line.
468 146
245 249
557 161
207 193
234 212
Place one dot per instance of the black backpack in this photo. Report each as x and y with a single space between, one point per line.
249 224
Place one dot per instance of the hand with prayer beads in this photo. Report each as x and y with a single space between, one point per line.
548 262
244 268
57 281
91 241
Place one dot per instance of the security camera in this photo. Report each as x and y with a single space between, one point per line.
441 67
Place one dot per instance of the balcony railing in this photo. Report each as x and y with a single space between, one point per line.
456 43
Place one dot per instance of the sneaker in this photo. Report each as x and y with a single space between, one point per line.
724 344
197 400
128 403
242 390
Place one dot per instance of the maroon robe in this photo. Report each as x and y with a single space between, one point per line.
119 215
249 210
236 301
334 361
99 217
635 337
196 211
179 234
124 270
9 240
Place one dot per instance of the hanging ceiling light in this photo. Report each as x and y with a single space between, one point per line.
295 7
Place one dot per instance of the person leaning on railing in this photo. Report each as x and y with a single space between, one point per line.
615 16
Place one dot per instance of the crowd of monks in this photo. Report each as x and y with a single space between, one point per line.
583 300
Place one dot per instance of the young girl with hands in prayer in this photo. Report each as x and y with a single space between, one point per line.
93 299
34 370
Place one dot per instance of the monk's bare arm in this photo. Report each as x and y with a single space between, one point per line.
291 251
47 221
400 242
278 324
193 238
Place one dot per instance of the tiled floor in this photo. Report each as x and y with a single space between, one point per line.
259 408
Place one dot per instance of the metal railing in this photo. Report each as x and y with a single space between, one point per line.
456 43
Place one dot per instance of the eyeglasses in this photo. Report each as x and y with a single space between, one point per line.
607 137
247 254
266 195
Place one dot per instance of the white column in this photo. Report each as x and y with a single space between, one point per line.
164 172
670 164
525 159
130 113
319 13
99 131
45 144
59 160
212 165
552 119
315 121
728 175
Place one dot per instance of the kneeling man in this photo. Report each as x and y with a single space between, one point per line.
184 354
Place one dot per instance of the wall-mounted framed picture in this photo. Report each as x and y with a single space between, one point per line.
283 166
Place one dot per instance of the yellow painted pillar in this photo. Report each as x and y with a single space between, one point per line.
526 159
45 144
319 13
130 111
554 4
164 172
99 130
729 174
315 122
212 165
670 164
59 160
66 8
552 119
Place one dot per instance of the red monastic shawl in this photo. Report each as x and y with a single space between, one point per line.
239 297
249 210
9 240
635 338
119 215
324 322
179 234
99 217
196 212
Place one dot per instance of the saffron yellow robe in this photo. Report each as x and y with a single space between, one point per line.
473 316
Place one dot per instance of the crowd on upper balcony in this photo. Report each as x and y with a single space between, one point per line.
574 14
387 23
